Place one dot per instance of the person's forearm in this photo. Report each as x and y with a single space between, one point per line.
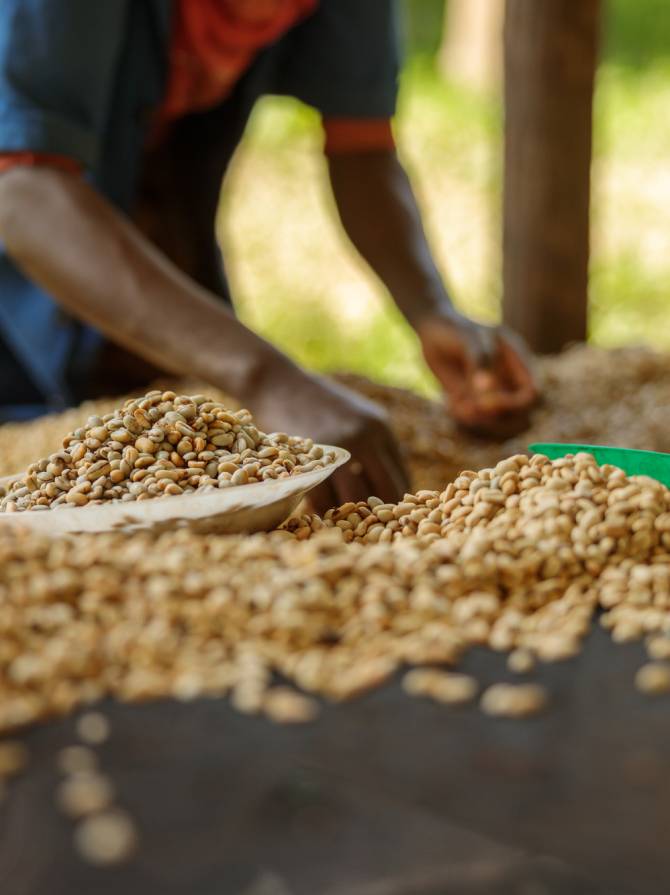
98 267
380 215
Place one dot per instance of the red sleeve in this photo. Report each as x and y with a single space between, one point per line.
345 135
36 159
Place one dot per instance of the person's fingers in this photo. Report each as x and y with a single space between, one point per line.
465 407
499 427
509 385
451 363
475 375
484 373
489 397
456 382
484 382
489 410
514 341
500 401
516 362
483 344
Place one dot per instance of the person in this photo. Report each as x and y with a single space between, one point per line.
118 120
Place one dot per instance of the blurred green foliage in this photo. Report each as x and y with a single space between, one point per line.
636 33
422 20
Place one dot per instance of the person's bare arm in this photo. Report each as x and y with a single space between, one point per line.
480 368
380 216
97 266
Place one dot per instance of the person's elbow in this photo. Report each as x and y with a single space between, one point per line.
26 191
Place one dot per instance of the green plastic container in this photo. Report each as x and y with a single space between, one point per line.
650 463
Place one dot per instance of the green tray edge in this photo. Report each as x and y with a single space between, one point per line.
633 462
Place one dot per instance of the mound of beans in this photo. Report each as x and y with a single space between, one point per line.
517 558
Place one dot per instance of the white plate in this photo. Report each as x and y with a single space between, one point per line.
260 506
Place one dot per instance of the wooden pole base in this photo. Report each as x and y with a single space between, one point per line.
550 62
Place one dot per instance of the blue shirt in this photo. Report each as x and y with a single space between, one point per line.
82 78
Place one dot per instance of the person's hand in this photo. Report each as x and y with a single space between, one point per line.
331 414
484 373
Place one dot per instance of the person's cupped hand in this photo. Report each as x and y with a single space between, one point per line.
484 372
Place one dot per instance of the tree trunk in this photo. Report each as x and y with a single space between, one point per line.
471 51
550 62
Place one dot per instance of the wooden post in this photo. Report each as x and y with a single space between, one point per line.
550 50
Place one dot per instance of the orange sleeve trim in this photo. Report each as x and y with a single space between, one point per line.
357 135
38 159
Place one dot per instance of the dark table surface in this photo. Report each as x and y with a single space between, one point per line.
386 795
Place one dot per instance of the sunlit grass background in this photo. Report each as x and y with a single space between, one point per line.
297 281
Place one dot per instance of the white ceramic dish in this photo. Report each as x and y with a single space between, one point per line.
261 506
